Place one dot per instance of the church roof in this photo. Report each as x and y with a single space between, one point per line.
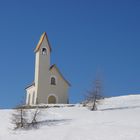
33 84
54 66
41 40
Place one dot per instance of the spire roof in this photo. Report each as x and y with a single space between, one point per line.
41 40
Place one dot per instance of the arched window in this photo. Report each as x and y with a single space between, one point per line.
53 81
44 51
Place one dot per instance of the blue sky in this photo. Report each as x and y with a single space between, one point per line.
87 37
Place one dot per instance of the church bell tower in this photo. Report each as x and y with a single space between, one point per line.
42 66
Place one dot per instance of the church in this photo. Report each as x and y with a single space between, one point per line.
49 86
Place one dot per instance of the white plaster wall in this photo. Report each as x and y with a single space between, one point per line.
42 72
60 89
36 72
30 92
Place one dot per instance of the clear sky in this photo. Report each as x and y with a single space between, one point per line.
86 36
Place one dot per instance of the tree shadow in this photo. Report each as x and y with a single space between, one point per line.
54 122
120 108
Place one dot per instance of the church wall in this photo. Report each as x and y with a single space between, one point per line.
30 91
36 72
60 89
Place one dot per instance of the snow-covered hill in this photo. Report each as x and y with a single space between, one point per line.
118 118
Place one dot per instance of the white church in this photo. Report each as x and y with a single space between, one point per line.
49 86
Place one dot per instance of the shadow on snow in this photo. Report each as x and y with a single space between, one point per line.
120 108
54 122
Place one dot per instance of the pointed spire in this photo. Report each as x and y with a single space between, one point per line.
41 40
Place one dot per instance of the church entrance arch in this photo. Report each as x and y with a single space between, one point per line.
51 99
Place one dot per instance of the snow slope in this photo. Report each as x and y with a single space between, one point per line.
118 118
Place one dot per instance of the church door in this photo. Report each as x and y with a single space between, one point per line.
51 100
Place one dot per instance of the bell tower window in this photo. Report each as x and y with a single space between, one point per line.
44 51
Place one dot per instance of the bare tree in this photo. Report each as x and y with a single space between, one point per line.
19 117
94 95
34 121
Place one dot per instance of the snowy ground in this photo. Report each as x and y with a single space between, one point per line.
118 118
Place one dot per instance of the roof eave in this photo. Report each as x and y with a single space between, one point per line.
33 84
